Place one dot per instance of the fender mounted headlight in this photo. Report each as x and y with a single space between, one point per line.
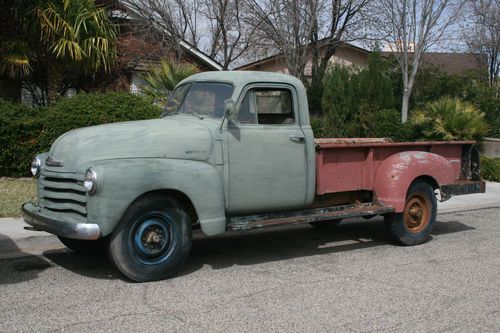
36 166
90 181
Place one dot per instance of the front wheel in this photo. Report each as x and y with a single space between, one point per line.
153 239
414 225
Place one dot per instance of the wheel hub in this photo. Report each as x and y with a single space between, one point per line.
151 238
417 213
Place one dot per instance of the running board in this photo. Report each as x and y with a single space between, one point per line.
258 221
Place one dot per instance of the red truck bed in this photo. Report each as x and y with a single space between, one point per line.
353 164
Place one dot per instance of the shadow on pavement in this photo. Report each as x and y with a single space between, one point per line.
250 248
21 269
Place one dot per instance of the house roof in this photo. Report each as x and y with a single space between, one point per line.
277 56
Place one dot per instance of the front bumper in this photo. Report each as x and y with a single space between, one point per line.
34 216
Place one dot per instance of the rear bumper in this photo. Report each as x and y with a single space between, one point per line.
34 216
461 188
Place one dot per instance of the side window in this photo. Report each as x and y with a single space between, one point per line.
274 106
267 106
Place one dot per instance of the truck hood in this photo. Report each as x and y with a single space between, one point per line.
172 137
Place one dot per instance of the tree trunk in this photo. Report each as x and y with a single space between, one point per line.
405 105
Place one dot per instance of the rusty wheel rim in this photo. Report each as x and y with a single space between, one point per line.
417 213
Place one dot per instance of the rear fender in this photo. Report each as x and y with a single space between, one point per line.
398 171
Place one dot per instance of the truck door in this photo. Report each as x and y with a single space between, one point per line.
267 152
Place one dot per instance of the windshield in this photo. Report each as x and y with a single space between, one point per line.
199 98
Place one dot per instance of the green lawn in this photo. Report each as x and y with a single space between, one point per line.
13 193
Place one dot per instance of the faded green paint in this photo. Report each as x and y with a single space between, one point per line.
241 169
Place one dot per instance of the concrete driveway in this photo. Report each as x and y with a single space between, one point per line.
296 279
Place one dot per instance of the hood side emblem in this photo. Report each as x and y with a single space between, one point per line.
53 162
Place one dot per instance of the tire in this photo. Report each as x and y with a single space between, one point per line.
414 225
153 239
84 246
329 224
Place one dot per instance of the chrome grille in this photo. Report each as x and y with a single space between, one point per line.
63 192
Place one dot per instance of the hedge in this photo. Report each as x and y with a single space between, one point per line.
25 131
490 169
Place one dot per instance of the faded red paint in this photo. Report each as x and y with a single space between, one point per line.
387 168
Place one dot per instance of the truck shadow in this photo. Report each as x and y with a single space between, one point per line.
254 248
24 267
295 242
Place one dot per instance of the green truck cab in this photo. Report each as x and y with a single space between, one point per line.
233 151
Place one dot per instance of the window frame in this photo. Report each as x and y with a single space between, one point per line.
270 86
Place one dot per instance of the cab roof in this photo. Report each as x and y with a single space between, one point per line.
242 78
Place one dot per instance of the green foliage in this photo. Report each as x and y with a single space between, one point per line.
450 119
26 131
339 102
490 169
66 30
386 123
20 129
433 84
353 100
161 80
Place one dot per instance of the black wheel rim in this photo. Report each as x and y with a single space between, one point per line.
152 238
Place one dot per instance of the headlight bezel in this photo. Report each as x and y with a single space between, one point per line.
36 166
90 181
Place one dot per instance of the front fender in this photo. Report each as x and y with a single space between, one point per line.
398 171
122 181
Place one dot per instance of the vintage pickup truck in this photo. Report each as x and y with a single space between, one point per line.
233 151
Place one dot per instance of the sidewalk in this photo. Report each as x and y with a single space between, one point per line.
16 242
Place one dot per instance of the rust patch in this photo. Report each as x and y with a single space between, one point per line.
258 221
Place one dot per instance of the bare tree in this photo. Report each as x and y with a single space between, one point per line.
229 34
410 28
307 33
171 21
484 37
217 27
306 29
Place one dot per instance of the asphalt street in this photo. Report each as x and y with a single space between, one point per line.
296 279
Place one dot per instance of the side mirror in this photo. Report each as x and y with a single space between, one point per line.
229 108
229 111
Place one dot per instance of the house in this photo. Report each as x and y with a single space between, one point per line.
346 54
137 52
351 55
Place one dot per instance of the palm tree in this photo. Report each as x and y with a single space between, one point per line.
160 81
56 32
450 119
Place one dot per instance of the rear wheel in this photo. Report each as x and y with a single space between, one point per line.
330 224
153 239
414 225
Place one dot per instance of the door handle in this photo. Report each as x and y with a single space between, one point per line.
297 138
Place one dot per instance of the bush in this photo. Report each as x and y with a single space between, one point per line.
93 109
26 131
387 124
450 119
490 169
20 130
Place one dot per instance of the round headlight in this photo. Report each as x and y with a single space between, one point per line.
36 165
90 182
